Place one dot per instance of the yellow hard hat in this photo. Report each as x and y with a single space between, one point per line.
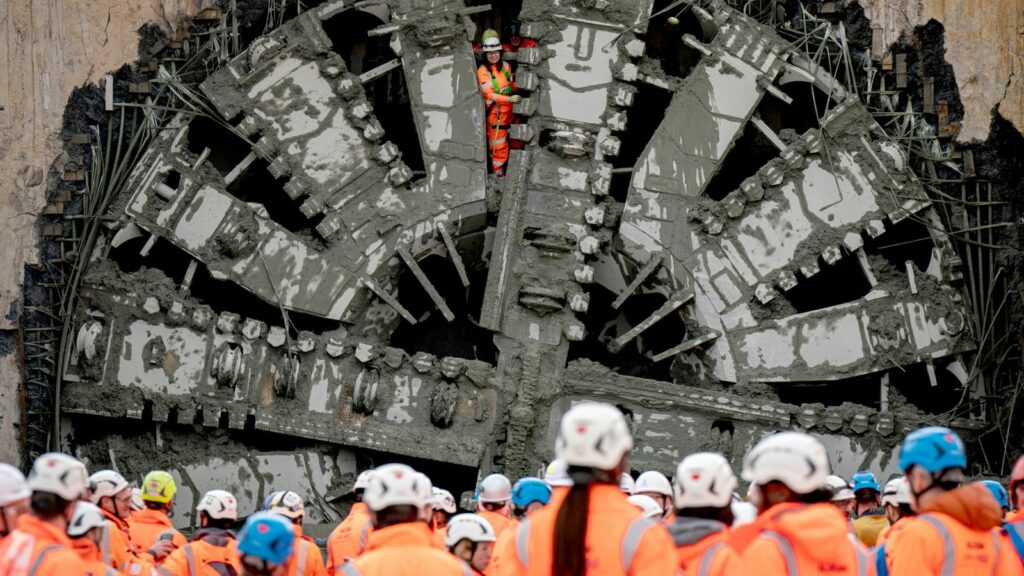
490 41
159 487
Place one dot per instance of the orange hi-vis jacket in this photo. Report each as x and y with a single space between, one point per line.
1015 516
805 539
404 550
618 540
954 534
90 555
37 548
118 551
497 87
349 538
147 526
212 552
498 521
306 559
504 547
701 547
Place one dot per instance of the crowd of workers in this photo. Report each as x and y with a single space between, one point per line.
586 516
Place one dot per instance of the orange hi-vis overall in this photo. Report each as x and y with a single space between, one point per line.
497 87
805 540
349 538
211 552
618 540
404 550
147 526
306 559
37 548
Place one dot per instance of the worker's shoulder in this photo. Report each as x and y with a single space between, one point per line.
61 560
431 560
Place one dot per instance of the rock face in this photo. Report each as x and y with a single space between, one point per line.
47 49
984 46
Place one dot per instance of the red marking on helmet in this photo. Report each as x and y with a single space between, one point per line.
695 476
949 438
263 528
398 474
581 429
51 463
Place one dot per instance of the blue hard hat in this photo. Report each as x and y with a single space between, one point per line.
998 492
529 490
268 537
865 480
933 448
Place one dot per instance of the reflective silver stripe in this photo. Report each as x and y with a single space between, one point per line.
42 556
498 141
785 548
631 540
863 559
705 561
523 543
190 557
349 569
995 556
949 551
364 534
466 570
105 544
300 564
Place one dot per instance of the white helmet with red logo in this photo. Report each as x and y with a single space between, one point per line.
704 480
593 435
219 505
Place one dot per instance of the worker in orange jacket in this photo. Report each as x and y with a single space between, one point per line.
348 539
471 539
953 530
212 551
528 496
86 530
798 529
153 524
591 528
306 558
112 495
39 545
444 509
401 544
14 498
498 86
494 501
702 498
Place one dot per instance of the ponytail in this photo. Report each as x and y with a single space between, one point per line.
570 549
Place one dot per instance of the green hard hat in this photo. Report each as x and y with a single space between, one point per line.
489 33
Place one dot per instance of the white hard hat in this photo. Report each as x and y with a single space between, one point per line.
59 474
897 491
593 435
106 483
468 527
840 488
626 483
288 504
648 507
219 505
495 488
557 473
792 458
85 517
362 480
137 503
397 485
704 480
653 481
743 513
427 510
12 485
443 500
491 45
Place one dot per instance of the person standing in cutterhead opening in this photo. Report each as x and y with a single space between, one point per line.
498 86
